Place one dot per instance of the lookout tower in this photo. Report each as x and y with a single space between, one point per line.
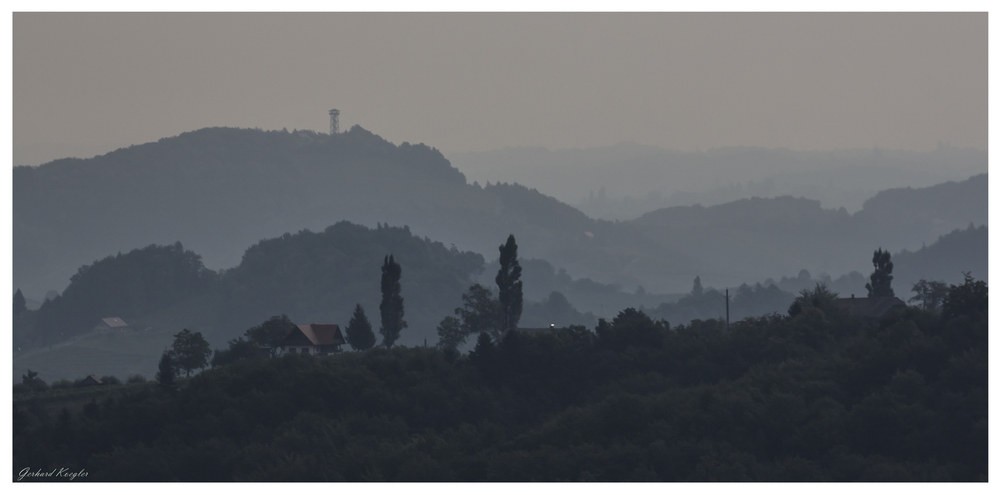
334 121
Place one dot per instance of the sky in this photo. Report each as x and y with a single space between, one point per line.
88 83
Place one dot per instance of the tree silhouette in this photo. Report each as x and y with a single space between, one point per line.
697 290
239 348
20 305
392 303
167 371
450 334
359 331
509 285
481 313
967 299
32 382
190 351
270 333
881 278
483 354
820 297
930 294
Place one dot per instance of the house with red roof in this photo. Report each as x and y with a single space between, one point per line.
316 339
90 381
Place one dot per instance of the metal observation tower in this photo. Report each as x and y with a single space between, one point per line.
334 121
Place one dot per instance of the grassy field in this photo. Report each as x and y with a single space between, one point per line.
121 355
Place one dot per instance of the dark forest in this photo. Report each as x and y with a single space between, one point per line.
813 395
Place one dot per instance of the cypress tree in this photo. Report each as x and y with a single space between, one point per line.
509 284
484 351
392 303
167 372
359 331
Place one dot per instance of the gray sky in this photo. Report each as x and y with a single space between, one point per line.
85 84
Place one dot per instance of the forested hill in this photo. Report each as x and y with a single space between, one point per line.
956 252
320 276
818 395
219 190
775 234
914 211
309 276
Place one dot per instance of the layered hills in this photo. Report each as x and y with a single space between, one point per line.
308 276
625 180
220 190
739 240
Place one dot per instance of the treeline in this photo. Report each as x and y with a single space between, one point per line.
321 276
745 301
33 383
312 276
815 395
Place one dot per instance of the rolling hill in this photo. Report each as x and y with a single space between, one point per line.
219 190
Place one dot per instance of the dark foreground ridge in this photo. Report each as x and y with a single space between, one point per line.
820 395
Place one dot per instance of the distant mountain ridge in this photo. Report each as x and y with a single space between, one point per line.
797 232
223 189
625 180
947 203
219 190
945 259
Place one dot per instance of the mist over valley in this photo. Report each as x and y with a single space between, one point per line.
626 180
227 194
220 190
500 246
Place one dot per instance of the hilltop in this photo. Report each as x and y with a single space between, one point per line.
219 190
744 238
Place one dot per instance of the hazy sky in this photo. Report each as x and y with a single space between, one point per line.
85 84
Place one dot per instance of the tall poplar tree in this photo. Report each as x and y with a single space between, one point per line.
881 278
509 284
392 303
